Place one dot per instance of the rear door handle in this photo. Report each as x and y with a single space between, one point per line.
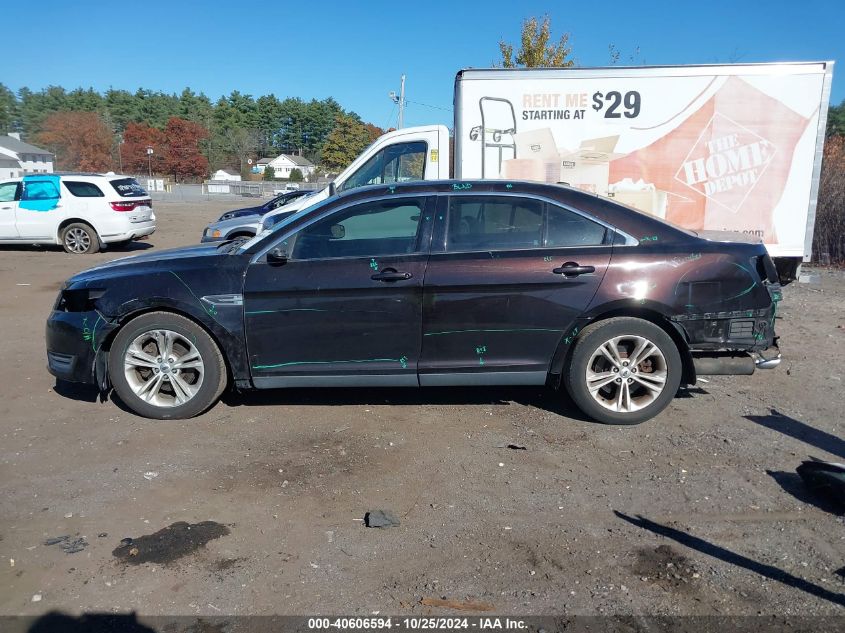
391 274
572 269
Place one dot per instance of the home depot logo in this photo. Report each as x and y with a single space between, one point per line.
726 162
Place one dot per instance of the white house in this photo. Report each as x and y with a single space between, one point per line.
10 167
226 174
31 159
283 164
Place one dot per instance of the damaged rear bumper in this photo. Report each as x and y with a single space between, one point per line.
733 343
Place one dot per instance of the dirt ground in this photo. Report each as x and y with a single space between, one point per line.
698 511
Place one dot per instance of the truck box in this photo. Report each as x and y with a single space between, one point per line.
733 147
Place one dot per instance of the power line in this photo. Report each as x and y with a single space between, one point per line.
426 105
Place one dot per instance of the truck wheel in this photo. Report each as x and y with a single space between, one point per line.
166 367
80 238
623 371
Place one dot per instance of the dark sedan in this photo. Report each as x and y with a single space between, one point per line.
278 201
427 284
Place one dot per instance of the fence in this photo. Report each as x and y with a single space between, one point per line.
163 189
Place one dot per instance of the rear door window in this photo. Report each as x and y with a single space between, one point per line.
566 228
128 188
494 223
83 189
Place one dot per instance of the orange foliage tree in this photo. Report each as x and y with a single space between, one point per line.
137 137
80 140
183 157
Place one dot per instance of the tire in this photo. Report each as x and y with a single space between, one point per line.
80 239
159 389
235 236
650 385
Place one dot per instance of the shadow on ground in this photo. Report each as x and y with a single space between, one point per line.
732 558
822 440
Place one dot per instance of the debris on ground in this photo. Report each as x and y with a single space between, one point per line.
36 597
70 546
150 475
460 605
381 519
170 543
827 477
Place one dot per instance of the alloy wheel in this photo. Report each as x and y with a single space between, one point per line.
163 368
626 373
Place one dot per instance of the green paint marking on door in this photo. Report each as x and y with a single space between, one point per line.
288 310
331 362
528 329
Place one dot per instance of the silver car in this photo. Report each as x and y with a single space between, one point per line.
248 225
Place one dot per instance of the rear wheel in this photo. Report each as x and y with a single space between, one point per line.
165 366
623 371
80 238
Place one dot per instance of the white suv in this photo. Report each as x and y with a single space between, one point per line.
82 212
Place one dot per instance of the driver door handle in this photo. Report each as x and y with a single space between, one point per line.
572 269
391 274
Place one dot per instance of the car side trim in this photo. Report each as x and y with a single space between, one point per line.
473 379
371 380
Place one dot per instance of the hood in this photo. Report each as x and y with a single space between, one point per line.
297 205
225 226
152 262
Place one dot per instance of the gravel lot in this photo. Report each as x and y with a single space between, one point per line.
698 511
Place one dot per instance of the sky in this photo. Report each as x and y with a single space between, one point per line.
357 51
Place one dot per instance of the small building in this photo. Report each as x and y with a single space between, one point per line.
226 174
283 164
31 159
10 167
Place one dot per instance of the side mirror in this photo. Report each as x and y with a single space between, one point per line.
332 189
338 231
277 256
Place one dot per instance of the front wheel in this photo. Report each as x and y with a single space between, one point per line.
165 366
623 371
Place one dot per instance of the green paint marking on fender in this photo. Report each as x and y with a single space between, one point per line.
332 362
210 310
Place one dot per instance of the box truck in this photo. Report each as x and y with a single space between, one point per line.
729 147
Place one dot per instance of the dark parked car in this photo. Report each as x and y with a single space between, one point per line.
427 284
271 205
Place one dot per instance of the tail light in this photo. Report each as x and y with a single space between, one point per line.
130 205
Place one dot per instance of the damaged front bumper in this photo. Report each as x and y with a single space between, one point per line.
74 346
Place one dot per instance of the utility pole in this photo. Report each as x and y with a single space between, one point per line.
150 160
400 99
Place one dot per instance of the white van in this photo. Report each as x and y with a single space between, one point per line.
82 212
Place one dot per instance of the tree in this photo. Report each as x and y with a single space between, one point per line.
269 173
8 111
183 157
829 234
348 139
136 139
80 140
242 142
296 175
836 119
535 50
